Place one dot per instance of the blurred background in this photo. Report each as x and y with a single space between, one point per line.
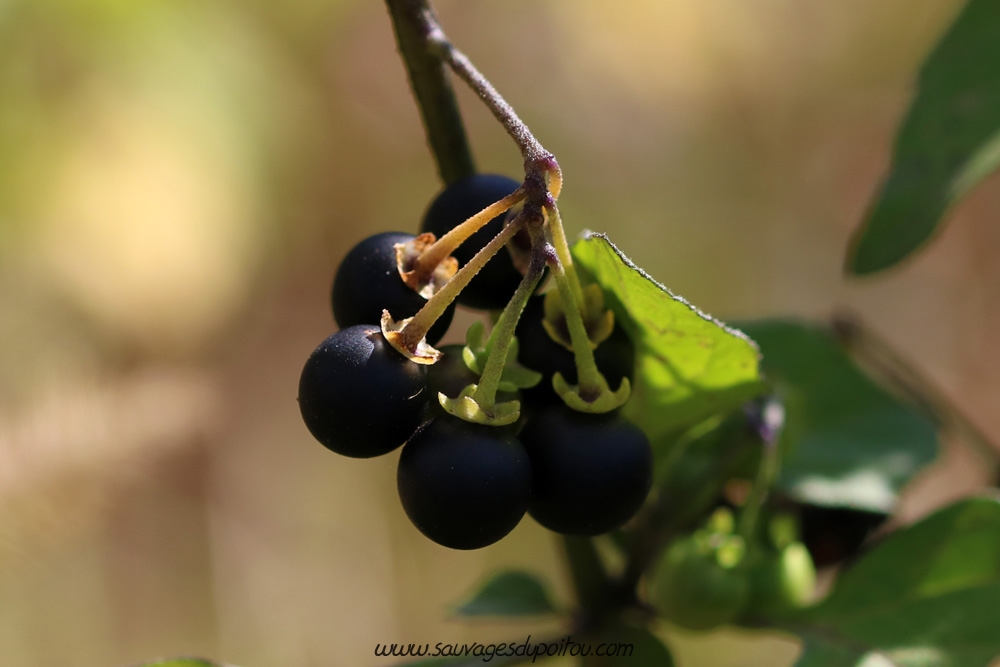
179 179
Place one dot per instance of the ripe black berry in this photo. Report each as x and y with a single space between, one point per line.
358 396
591 473
615 356
368 281
493 286
464 485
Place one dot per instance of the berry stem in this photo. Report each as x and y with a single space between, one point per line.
503 331
411 21
415 330
588 377
446 245
561 245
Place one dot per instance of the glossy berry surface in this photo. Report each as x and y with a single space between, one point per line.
368 281
591 472
492 287
358 396
615 356
464 485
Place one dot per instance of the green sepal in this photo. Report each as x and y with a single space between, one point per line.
598 320
513 377
606 400
464 406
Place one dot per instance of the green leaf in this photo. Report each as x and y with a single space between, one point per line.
689 365
847 442
948 143
927 597
512 593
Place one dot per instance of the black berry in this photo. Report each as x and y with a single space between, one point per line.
464 485
358 396
615 356
368 281
493 286
591 473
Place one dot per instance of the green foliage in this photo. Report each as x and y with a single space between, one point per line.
689 366
511 593
928 597
847 442
948 143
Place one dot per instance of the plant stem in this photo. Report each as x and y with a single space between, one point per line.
586 368
503 331
420 324
590 579
766 474
538 162
530 147
446 245
411 20
561 245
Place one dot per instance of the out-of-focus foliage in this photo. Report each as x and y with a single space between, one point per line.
849 443
927 596
948 143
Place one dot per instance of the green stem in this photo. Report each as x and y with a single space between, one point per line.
559 242
412 22
590 579
502 334
588 377
766 474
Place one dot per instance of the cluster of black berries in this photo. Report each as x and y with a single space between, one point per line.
466 485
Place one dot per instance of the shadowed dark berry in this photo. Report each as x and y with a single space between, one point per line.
615 356
368 281
493 286
591 473
358 396
464 485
